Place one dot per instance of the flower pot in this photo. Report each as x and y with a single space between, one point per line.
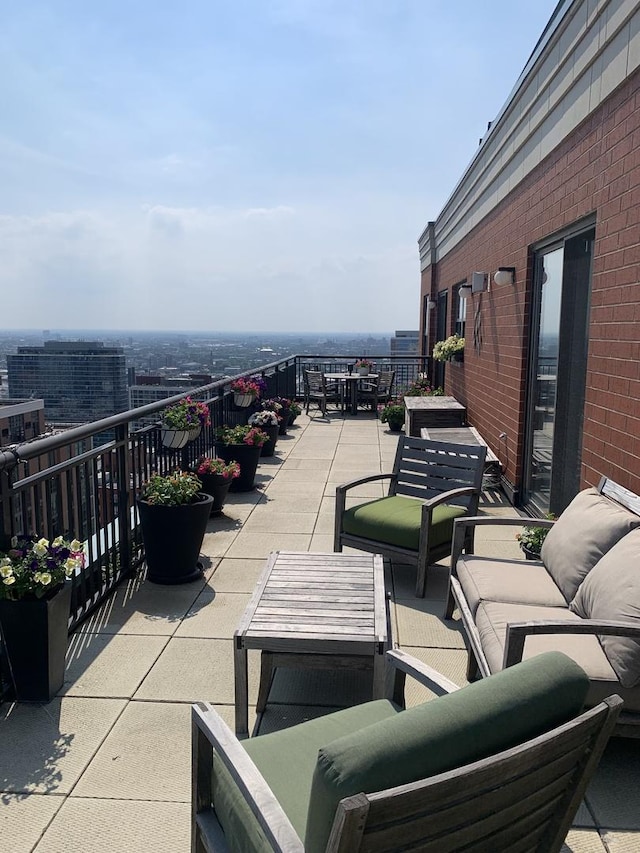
247 456
529 554
284 421
217 486
243 400
194 432
363 371
35 633
268 448
395 426
174 438
172 537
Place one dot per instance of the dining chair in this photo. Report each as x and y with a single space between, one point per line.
376 391
316 388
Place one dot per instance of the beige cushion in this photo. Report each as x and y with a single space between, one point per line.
586 530
514 581
611 591
492 619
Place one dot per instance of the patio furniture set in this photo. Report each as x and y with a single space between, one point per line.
348 390
376 776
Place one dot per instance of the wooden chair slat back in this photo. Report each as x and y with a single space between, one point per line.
425 469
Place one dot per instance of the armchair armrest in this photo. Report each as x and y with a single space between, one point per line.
400 664
517 632
211 732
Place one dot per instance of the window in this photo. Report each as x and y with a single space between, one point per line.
461 310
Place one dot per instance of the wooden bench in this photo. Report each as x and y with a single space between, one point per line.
468 435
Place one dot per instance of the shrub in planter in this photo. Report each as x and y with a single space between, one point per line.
216 476
422 388
241 444
531 539
174 512
294 410
393 414
284 412
35 595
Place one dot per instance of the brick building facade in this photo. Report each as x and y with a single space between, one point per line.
567 206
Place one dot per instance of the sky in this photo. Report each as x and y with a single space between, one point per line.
246 165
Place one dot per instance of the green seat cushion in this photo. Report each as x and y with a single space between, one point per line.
396 521
287 760
482 719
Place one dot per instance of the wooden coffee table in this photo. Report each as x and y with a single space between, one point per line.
318 611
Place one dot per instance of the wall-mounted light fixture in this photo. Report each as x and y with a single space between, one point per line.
505 275
464 291
430 304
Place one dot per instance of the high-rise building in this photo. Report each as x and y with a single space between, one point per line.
148 389
20 420
404 342
80 381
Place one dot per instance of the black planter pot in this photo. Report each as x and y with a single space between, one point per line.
268 448
35 635
217 486
285 414
530 555
172 537
395 426
247 456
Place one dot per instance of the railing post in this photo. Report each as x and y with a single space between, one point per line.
123 451
10 461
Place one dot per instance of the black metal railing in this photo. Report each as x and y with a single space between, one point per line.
61 484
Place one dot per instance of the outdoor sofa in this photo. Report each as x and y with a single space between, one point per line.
582 598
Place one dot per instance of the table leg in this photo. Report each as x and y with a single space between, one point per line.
266 673
354 397
241 689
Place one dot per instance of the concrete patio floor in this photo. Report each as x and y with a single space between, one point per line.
106 765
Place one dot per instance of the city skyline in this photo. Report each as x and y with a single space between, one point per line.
265 166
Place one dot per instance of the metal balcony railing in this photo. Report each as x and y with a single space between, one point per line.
64 485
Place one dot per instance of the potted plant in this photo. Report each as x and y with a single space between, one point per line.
245 391
183 421
294 410
284 413
422 388
364 366
35 594
270 423
173 516
450 349
241 444
531 539
216 476
393 414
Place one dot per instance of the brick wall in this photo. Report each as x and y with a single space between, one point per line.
596 170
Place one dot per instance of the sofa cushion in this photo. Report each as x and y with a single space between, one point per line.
492 619
586 530
396 521
611 591
515 581
275 755
479 720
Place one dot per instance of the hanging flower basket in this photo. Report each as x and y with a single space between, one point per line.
194 432
174 438
243 400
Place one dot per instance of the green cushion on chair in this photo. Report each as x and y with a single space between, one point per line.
287 760
396 521
482 719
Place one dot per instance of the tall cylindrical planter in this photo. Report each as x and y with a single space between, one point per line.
268 448
217 486
172 537
35 634
284 421
247 456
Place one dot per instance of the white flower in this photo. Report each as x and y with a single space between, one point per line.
57 542
70 565
43 577
76 545
40 548
6 571
5 561
9 581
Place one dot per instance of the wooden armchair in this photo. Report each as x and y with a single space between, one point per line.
432 483
317 389
499 765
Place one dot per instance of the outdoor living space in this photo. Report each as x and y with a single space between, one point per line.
106 765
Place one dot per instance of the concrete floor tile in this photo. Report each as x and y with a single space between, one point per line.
321 543
618 841
140 607
259 545
214 615
239 575
109 665
24 819
299 477
404 581
303 464
45 748
118 826
269 520
216 544
285 502
332 687
366 491
449 662
420 624
583 841
196 670
325 522
146 756
614 794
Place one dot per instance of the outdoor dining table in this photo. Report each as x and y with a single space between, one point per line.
350 381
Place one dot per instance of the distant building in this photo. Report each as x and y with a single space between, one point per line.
405 342
151 388
20 420
80 381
